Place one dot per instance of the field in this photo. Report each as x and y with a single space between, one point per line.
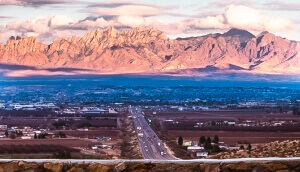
63 142
114 134
232 137
224 115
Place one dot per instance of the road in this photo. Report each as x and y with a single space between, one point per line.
151 146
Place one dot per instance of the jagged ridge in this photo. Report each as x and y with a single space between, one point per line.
150 50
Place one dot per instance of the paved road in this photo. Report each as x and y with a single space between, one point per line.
151 146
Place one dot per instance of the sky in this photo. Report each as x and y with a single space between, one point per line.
51 19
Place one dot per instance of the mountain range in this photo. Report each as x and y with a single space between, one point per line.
148 50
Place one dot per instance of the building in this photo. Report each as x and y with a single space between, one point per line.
3 127
112 111
201 154
94 110
103 138
195 148
188 143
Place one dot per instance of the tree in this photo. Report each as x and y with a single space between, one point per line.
216 139
59 124
296 111
216 148
249 148
202 140
242 147
180 140
207 145
208 140
213 123
61 134
12 135
35 136
42 135
19 133
6 133
280 110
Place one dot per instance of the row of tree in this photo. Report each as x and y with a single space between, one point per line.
207 144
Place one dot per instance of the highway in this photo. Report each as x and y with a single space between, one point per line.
151 146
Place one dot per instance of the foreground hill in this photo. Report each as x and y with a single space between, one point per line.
287 148
149 50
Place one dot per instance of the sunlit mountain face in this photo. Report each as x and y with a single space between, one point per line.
148 50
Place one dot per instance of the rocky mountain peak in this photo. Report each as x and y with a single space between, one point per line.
146 49
238 37
239 33
112 32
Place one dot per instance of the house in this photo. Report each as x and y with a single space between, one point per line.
103 138
112 111
201 154
26 137
232 123
94 147
195 148
188 143
3 127
106 146
234 148
223 147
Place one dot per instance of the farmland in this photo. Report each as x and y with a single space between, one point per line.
232 138
114 134
63 142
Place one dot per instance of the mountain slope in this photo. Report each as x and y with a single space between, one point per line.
150 50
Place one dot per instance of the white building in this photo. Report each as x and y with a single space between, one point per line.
3 127
195 148
202 154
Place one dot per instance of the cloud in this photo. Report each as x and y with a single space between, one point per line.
4 33
46 29
222 3
121 16
35 3
128 10
41 27
118 3
282 5
6 17
242 17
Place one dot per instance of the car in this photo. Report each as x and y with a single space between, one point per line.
145 146
146 150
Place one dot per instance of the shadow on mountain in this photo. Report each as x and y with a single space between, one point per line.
207 69
23 67
234 67
16 67
67 69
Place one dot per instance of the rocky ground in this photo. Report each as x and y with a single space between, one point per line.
288 148
291 165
